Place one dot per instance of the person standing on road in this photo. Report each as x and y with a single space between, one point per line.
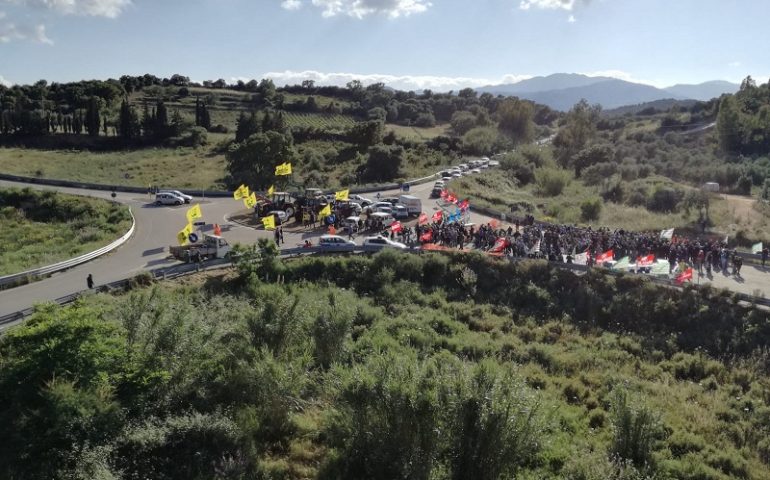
90 281
765 253
280 234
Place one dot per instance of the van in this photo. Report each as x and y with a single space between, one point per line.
386 218
168 198
413 204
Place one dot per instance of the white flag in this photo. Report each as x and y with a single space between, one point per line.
667 234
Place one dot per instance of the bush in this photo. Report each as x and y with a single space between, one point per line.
551 182
636 429
591 209
665 199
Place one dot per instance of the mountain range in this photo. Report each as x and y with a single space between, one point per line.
561 91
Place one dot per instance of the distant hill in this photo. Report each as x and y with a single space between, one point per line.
657 106
703 91
561 91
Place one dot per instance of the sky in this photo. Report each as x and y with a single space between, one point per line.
408 44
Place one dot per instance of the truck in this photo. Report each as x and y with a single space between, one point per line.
211 246
413 204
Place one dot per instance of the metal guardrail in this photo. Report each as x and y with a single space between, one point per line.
179 270
57 267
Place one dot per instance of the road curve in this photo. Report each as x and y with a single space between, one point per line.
156 229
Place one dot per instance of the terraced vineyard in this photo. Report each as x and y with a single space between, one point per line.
319 120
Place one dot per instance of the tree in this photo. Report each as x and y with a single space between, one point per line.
128 122
366 134
246 126
253 161
578 131
515 119
729 128
462 122
591 156
383 163
92 117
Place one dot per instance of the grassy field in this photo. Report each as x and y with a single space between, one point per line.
418 133
82 225
320 120
180 167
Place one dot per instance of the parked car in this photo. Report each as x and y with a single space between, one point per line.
439 184
436 192
463 166
476 170
359 199
494 163
351 223
380 207
185 197
335 243
447 178
168 198
400 211
279 215
386 218
457 174
382 242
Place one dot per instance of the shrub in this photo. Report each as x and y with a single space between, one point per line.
551 182
665 199
591 209
636 429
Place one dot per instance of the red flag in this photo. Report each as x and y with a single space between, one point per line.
451 198
500 245
494 224
607 256
464 204
685 276
437 217
444 193
423 219
645 261
396 227
427 236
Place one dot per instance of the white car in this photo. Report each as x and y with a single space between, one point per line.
335 243
168 198
381 207
446 179
439 184
359 199
457 174
382 242
185 197
494 163
279 214
476 170
400 211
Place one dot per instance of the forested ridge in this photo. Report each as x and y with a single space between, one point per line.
392 366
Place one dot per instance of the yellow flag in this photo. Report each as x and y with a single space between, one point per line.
184 234
250 201
240 192
194 212
269 222
342 195
325 212
283 169
271 190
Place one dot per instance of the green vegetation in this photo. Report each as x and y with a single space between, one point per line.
392 366
41 228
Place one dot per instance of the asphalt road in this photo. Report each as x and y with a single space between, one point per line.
156 229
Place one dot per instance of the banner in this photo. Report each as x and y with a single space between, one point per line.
581 259
500 245
423 219
667 234
325 212
757 248
193 213
283 169
427 236
250 201
685 276
240 192
607 256
645 261
269 222
342 195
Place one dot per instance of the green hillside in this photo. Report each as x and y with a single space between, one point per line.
395 366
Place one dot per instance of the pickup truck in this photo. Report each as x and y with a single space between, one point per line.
212 246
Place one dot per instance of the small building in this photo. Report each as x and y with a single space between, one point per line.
711 187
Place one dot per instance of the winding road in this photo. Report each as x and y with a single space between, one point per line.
156 229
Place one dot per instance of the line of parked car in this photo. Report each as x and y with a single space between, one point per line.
172 197
473 166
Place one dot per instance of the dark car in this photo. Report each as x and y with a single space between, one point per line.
435 193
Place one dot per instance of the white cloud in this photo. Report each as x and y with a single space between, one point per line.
734 64
400 82
95 8
291 4
548 4
362 8
4 82
10 31
571 19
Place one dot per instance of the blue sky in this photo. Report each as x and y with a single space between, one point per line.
412 44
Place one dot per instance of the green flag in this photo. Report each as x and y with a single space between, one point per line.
757 248
622 264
